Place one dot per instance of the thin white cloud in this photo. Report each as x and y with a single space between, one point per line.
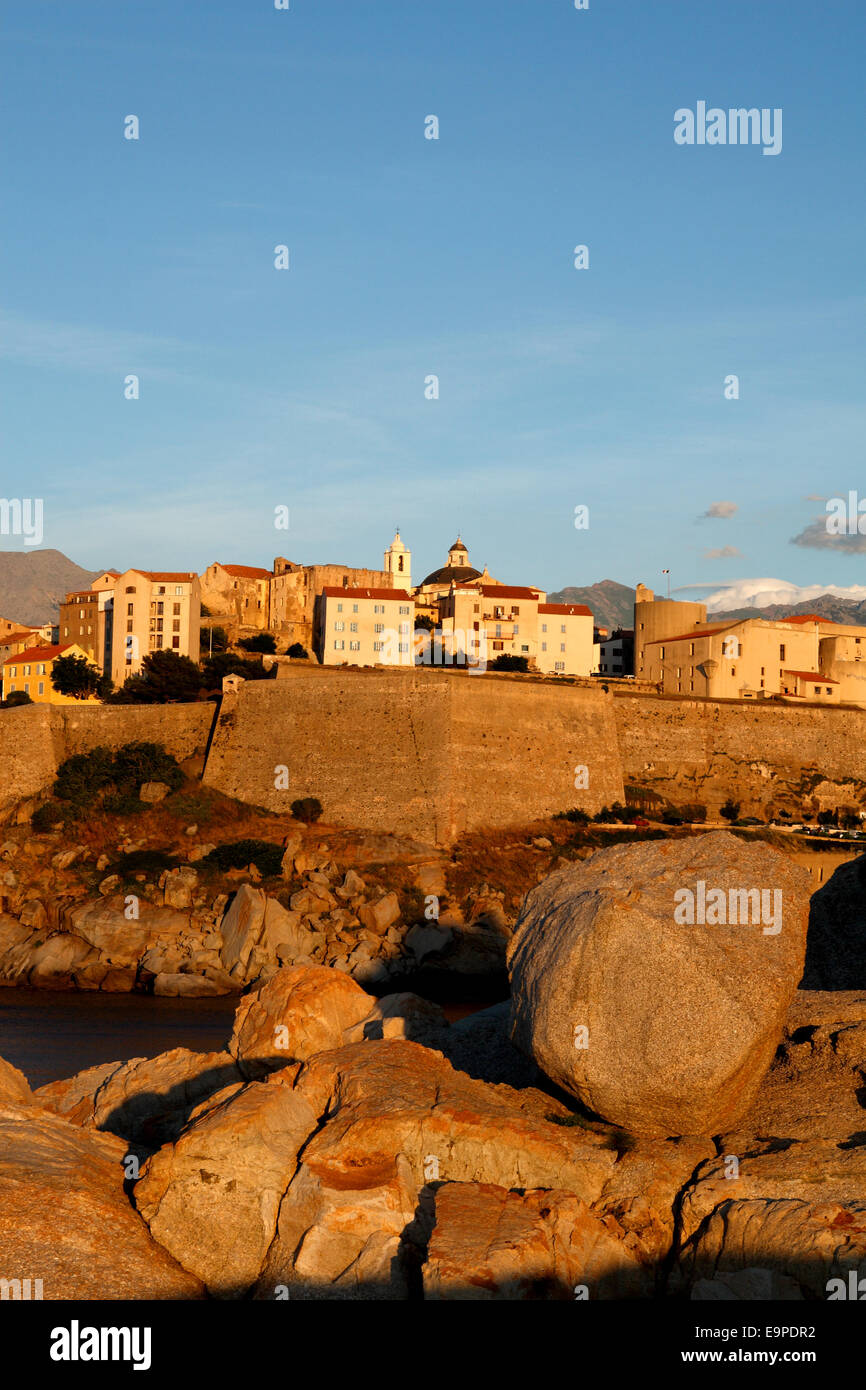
724 510
761 593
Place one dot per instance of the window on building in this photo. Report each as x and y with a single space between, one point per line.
378 608
781 651
353 627
354 607
403 646
40 689
339 627
66 632
130 589
354 646
661 651
544 646
130 608
829 690
377 646
516 629
379 627
339 607
339 646
161 589
175 608
559 666
817 690
691 649
129 625
544 627
498 646
178 589
562 646
175 641
175 624
562 628
403 610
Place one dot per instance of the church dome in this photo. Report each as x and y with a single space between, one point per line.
460 574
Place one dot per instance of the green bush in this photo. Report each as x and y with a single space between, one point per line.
82 776
115 779
297 652
137 763
307 809
506 662
237 854
51 813
730 811
264 642
576 815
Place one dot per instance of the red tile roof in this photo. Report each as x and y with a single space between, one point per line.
503 591
38 654
696 632
580 609
19 635
246 571
809 618
812 676
335 591
169 576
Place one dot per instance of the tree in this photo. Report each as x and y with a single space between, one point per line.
230 664
79 678
17 697
307 809
264 642
165 677
506 662
213 639
427 624
297 652
731 810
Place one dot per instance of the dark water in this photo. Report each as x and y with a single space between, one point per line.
50 1034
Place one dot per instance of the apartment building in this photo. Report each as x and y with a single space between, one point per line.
365 627
153 611
489 620
86 618
30 671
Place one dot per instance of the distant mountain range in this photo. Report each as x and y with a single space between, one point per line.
612 604
838 610
33 583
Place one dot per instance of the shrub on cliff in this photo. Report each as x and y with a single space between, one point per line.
115 778
17 697
230 664
238 854
575 815
264 642
307 809
730 811
298 652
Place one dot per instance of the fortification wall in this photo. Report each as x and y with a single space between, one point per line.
428 753
35 739
764 756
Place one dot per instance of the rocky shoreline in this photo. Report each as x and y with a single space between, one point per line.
708 1144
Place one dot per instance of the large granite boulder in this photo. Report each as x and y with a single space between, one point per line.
300 1011
652 981
836 944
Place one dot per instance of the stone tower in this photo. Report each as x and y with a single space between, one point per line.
398 564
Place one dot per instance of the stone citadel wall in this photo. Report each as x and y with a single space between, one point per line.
432 753
427 753
764 756
35 739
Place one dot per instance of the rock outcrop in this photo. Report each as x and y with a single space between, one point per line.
66 1220
633 990
836 946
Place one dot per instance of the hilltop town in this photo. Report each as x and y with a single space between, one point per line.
457 616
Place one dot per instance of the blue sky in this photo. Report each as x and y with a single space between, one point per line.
410 257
